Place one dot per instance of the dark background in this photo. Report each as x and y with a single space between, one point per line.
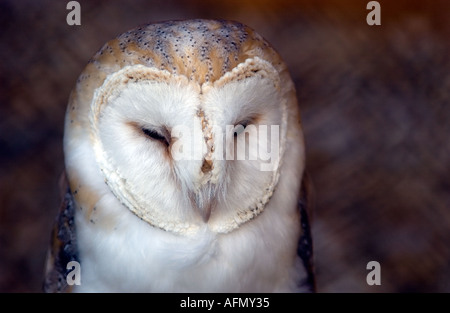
375 104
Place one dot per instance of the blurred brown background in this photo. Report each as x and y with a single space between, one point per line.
375 102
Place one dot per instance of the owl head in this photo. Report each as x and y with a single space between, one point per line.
186 123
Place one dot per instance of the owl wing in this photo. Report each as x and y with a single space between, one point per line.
63 245
305 247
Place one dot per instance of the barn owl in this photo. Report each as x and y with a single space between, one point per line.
184 159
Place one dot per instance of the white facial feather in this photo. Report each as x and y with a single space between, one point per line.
148 141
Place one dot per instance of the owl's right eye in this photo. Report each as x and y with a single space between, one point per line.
161 135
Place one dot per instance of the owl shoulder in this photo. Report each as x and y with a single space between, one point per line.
63 244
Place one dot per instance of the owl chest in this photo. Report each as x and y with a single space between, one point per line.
161 262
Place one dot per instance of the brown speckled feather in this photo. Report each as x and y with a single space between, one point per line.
63 245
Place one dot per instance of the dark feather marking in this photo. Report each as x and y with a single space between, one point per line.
305 246
63 248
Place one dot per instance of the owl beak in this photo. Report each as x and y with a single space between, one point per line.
204 201
205 209
206 213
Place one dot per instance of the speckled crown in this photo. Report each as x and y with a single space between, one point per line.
201 50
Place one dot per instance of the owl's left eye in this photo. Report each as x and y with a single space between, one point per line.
162 135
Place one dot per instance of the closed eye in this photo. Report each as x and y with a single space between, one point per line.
161 135
242 125
239 128
245 123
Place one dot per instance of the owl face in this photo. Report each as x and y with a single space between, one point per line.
185 123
